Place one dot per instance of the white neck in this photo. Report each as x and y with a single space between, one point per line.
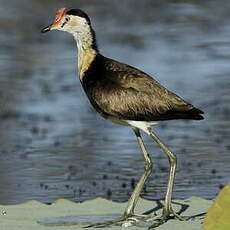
86 50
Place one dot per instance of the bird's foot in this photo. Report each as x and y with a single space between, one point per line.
167 215
126 221
151 221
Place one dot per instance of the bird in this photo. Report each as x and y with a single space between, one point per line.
130 97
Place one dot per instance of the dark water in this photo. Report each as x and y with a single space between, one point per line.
52 143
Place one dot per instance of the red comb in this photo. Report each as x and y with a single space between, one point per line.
59 14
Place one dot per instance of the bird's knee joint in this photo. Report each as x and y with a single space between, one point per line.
172 159
148 166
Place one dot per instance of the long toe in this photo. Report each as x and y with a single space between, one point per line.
173 215
161 219
134 220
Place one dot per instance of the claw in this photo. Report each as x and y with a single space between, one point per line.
161 219
150 221
135 220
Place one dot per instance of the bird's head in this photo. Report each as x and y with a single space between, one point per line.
72 21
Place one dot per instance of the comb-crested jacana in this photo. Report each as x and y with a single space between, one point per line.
126 96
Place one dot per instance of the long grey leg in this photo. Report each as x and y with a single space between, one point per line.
129 218
173 164
129 211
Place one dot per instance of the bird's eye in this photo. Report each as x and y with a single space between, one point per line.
67 18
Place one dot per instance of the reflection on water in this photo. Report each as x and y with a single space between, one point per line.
54 145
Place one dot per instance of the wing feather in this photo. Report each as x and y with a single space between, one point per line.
127 93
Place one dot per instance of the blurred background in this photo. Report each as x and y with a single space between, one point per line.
54 145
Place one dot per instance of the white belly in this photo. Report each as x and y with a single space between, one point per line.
143 125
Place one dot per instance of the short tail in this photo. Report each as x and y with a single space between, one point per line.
190 114
195 114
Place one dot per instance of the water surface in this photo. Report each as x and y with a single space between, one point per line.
54 145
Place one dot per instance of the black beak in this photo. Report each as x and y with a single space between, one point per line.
46 29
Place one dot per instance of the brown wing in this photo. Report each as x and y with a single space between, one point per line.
127 93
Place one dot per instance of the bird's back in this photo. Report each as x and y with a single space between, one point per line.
124 92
